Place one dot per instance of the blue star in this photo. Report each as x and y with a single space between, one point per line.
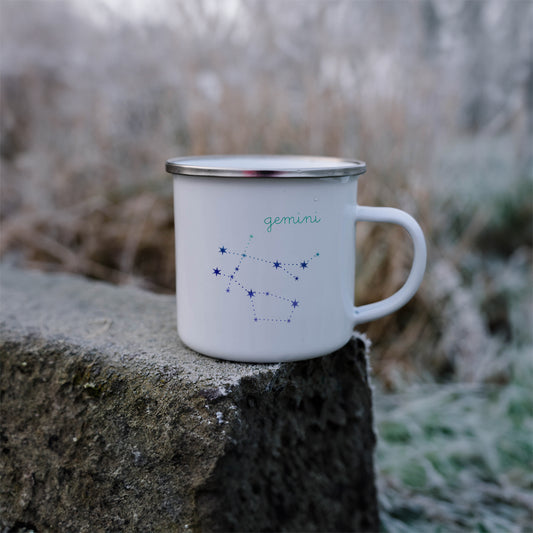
317 254
294 303
236 268
222 250
244 255
277 264
255 319
251 293
303 264
216 271
296 278
227 290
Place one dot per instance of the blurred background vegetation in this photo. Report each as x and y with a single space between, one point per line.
437 98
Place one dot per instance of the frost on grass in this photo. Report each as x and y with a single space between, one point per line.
440 113
453 458
464 337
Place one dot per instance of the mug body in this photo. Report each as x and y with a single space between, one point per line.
264 266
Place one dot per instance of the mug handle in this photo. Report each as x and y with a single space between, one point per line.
366 313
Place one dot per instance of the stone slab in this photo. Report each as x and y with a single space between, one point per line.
109 423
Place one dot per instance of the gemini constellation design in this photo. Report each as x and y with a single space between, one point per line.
280 269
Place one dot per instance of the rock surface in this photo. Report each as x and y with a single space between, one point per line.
109 423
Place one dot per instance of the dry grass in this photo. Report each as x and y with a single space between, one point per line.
84 138
83 186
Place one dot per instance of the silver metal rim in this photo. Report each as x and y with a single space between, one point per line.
202 167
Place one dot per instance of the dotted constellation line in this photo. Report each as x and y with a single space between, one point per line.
252 294
278 265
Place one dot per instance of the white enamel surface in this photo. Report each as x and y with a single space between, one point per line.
220 213
366 313
292 292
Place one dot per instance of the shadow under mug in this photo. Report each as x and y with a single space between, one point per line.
265 255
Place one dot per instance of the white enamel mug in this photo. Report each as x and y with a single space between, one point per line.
265 255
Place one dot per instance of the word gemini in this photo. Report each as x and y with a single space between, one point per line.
270 221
